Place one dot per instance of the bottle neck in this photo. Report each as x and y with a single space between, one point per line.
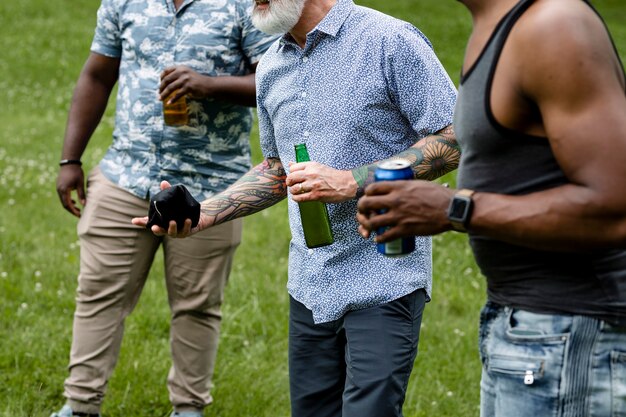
302 155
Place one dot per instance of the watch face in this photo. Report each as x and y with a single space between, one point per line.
459 208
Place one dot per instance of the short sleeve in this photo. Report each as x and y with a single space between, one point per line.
419 84
254 43
266 128
266 134
107 39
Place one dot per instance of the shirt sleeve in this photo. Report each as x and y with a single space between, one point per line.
266 129
266 134
107 39
418 83
254 43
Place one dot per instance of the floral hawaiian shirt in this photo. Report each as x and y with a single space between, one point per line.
212 37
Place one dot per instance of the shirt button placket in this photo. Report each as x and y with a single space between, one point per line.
303 95
172 35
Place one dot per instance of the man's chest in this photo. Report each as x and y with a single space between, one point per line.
199 34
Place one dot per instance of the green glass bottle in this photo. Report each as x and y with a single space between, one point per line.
314 215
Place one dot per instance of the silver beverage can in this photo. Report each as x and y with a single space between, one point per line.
395 169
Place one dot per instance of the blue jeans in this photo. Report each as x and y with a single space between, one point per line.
544 365
357 366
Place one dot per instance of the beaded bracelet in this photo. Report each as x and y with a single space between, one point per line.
70 162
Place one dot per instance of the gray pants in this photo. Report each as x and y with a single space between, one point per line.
357 366
115 259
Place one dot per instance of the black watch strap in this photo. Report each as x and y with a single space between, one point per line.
460 209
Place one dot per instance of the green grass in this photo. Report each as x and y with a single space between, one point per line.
44 44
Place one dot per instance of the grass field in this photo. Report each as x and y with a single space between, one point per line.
43 45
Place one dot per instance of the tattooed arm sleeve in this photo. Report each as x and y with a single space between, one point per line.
430 158
263 186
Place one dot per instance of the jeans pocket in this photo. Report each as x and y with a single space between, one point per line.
528 370
618 384
527 327
524 359
523 386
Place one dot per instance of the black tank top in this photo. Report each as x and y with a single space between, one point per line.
500 160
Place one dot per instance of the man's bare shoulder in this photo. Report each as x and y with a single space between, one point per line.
560 42
562 26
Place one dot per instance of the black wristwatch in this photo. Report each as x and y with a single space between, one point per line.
460 209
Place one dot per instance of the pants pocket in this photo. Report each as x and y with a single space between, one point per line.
517 369
524 359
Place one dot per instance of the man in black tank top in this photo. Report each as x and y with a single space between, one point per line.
541 121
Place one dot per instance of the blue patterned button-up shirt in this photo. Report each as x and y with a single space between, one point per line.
365 87
212 37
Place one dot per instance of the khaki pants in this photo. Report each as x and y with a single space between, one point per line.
115 259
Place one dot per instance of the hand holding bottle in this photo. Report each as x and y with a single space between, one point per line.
312 181
314 214
179 81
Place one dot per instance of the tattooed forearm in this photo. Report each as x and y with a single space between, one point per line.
440 155
430 158
261 187
364 176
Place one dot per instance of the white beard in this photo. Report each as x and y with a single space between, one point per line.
279 18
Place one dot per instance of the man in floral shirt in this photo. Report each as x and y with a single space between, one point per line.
206 51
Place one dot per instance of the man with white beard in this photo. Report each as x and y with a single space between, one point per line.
357 87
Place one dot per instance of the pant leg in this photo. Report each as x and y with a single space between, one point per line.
115 257
197 269
380 351
316 364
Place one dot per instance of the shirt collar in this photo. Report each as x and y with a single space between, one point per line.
330 24
183 5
